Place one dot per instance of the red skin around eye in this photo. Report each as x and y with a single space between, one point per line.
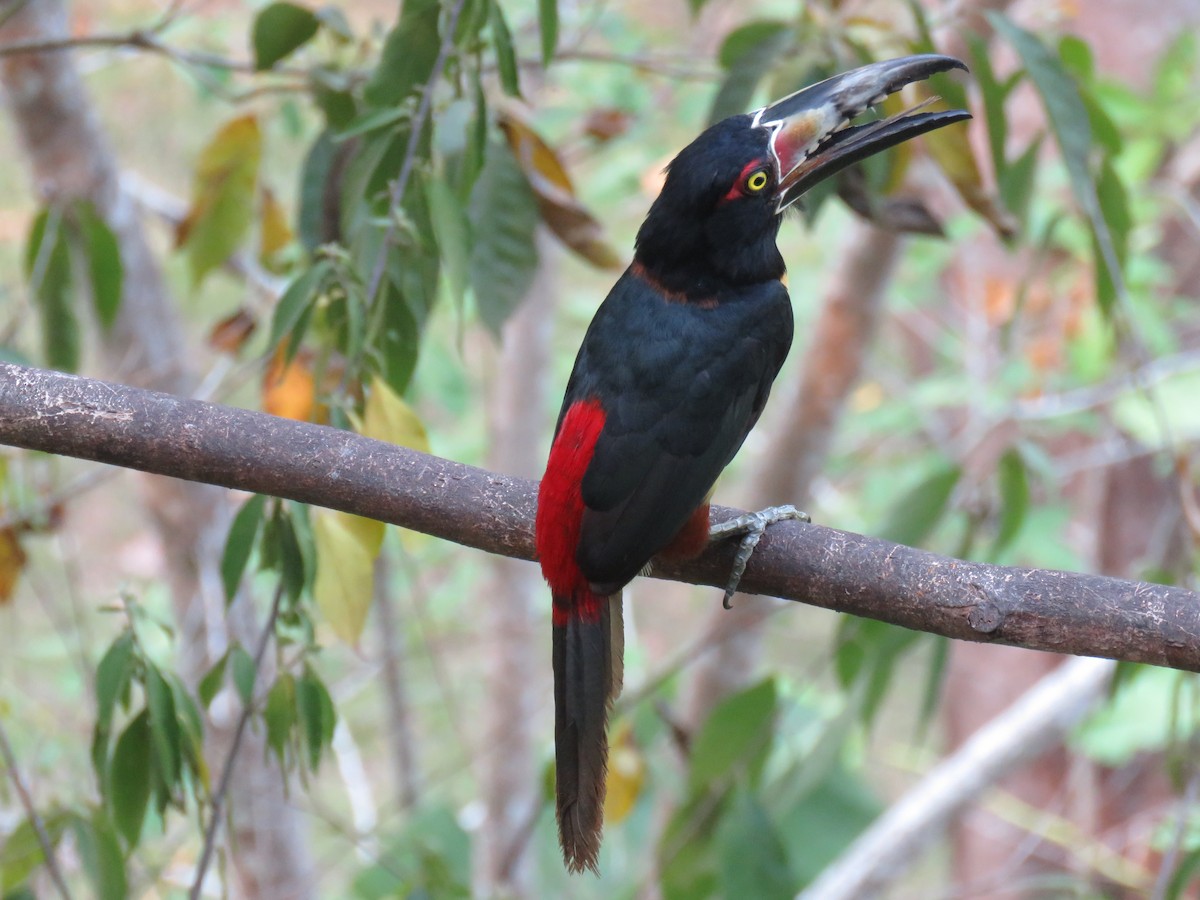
739 184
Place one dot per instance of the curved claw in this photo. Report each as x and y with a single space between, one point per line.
751 526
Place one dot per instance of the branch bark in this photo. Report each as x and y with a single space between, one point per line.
1063 612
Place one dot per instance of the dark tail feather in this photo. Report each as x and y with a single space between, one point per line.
583 688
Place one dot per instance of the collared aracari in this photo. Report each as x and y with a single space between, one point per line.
672 374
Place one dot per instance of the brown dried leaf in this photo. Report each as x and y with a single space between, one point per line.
606 122
951 150
559 208
231 333
12 561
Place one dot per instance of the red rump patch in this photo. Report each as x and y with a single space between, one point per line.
560 511
691 539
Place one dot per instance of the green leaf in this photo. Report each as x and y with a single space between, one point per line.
281 29
994 95
408 55
211 683
1012 480
747 54
296 300
48 268
735 737
1146 715
316 224
687 857
316 714
506 57
129 778
293 568
548 25
1114 203
100 852
866 657
939 657
371 121
21 852
223 196
191 725
400 341
1015 186
831 816
112 677
918 512
164 727
504 220
1072 130
452 231
1185 875
105 269
280 713
753 859
240 544
244 672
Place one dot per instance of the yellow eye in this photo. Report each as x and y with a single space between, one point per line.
757 181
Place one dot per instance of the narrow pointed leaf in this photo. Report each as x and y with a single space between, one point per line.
504 219
548 25
238 546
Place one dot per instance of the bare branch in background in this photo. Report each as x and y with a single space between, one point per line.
71 159
32 816
1032 725
518 680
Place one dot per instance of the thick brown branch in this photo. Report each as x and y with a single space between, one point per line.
1064 612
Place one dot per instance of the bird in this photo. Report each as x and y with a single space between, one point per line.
673 372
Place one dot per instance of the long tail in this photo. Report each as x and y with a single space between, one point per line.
587 677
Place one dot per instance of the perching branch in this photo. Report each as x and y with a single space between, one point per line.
1063 612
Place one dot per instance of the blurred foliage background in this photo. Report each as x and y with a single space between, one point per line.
400 222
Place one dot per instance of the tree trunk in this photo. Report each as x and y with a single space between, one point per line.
71 159
519 663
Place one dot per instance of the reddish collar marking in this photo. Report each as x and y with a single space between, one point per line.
639 272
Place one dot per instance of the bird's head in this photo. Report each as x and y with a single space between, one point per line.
714 223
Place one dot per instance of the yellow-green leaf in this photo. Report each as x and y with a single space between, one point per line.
345 573
952 151
387 417
274 233
626 773
222 196
560 209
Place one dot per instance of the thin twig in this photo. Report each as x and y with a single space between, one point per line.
35 820
1033 724
1166 873
218 799
657 65
35 519
400 185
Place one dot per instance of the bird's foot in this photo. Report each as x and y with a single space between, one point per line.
751 527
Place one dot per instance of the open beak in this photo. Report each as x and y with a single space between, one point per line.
811 135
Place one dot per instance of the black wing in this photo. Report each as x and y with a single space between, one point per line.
681 386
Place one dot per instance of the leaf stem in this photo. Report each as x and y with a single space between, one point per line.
218 799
